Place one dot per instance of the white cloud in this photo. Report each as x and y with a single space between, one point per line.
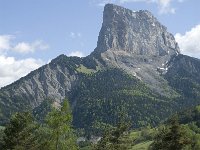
12 69
24 47
164 6
189 42
76 53
7 44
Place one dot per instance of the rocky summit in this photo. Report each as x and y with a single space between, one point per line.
136 42
136 69
134 33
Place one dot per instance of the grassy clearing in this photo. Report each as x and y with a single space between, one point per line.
142 146
85 70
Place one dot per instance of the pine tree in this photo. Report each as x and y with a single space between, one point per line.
172 137
18 123
117 139
58 131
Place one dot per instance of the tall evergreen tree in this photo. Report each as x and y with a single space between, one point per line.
172 137
117 139
58 130
18 123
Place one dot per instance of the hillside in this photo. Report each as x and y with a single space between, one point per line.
106 95
135 71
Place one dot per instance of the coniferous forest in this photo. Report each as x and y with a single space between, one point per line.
56 132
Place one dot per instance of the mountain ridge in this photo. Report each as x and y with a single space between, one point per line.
132 47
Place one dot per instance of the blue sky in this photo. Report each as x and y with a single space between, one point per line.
32 32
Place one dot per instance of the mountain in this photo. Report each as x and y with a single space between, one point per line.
136 42
135 71
53 80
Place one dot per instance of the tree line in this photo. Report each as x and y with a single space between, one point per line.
56 132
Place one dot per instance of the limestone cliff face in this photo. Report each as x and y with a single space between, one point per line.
137 33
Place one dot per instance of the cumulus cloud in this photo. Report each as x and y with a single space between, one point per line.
24 47
189 42
12 69
7 44
76 53
164 6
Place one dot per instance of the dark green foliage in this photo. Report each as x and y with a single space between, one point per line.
18 123
146 134
185 135
1 137
9 105
190 115
70 63
116 139
98 128
57 133
85 145
183 77
196 141
102 96
172 137
27 138
98 98
42 110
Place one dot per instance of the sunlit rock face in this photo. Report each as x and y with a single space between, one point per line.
137 33
137 43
